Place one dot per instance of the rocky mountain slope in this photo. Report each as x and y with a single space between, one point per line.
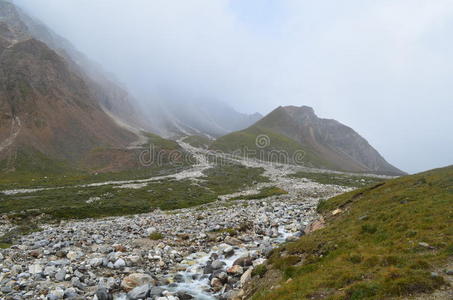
108 91
326 143
53 115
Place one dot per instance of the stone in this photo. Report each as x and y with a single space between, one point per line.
232 241
95 262
217 264
120 263
120 248
35 253
35 269
235 270
316 225
140 292
229 251
244 261
56 294
291 238
216 283
156 291
70 293
184 296
135 280
103 294
246 277
425 245
60 275
72 255
337 211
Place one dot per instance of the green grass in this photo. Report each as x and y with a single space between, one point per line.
32 168
281 149
339 179
161 143
264 193
227 179
372 250
19 180
73 202
259 270
198 141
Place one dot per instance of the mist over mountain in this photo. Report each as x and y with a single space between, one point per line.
54 111
383 68
139 159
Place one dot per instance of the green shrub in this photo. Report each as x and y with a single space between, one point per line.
259 270
156 236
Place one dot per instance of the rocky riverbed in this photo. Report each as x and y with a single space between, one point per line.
205 252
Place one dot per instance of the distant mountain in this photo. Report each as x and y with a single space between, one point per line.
209 118
326 143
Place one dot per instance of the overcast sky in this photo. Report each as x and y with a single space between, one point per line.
383 67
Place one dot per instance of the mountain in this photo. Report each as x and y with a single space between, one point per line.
326 143
108 91
210 118
390 240
53 114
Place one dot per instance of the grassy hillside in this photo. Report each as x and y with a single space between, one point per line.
391 239
244 143
32 168
198 141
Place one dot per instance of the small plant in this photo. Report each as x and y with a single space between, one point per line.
155 236
368 228
259 270
355 258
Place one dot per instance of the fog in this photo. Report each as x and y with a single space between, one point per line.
383 67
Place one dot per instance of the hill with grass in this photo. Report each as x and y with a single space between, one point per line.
388 240
326 143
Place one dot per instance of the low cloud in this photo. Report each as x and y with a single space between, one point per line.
382 67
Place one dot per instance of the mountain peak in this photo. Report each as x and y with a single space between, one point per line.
338 145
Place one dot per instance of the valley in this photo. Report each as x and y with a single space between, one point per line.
142 181
188 238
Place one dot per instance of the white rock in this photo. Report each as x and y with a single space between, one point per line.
120 263
35 269
246 276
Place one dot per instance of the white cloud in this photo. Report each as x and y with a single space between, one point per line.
382 66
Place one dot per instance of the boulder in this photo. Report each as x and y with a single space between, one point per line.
135 280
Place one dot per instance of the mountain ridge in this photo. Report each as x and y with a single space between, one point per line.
327 143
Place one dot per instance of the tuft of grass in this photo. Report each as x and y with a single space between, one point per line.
376 257
155 236
259 270
264 193
339 179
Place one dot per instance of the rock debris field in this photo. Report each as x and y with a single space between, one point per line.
206 252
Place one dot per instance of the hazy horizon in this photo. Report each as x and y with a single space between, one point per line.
383 68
